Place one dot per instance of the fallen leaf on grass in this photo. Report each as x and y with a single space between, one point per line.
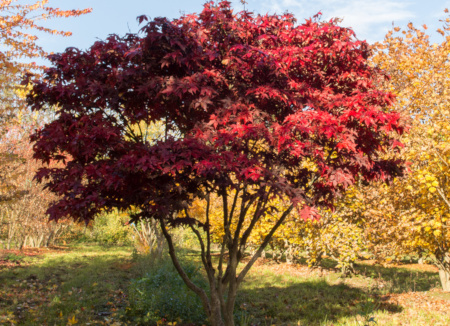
72 321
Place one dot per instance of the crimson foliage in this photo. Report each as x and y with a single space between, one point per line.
245 100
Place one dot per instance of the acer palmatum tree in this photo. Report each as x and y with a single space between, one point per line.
253 108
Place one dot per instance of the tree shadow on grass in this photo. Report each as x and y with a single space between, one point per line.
391 279
399 279
307 303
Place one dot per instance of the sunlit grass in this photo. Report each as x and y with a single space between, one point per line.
89 285
86 283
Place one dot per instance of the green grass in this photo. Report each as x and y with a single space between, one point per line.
13 257
162 295
284 299
272 296
86 282
398 279
90 285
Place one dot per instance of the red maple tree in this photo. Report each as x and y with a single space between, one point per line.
254 108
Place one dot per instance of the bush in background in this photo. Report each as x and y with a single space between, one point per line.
111 228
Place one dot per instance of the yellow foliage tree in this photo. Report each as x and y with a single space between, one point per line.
22 202
338 234
417 207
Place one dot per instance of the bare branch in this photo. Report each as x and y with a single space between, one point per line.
191 285
442 194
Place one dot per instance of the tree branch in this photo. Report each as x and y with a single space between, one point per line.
263 245
258 213
191 285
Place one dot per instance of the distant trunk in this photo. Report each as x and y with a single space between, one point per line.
444 275
347 270
443 263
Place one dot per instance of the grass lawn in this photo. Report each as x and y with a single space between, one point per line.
65 286
282 294
88 285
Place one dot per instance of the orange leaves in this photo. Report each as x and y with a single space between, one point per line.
17 23
18 18
66 13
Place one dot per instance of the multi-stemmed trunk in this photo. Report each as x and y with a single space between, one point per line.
218 309
224 281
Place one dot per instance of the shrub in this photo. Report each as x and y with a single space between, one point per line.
112 228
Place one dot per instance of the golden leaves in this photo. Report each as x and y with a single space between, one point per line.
417 206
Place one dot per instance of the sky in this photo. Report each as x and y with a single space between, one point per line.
370 19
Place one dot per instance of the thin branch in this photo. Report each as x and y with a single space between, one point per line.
441 193
200 240
441 158
268 237
226 236
208 233
258 213
225 210
196 289
202 245
233 206
242 215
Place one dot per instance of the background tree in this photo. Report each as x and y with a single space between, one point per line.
17 24
22 201
413 215
22 211
246 102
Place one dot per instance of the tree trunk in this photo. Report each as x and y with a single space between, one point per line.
347 270
231 299
215 316
444 275
289 253
22 242
442 261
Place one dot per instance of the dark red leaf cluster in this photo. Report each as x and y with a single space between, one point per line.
243 98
